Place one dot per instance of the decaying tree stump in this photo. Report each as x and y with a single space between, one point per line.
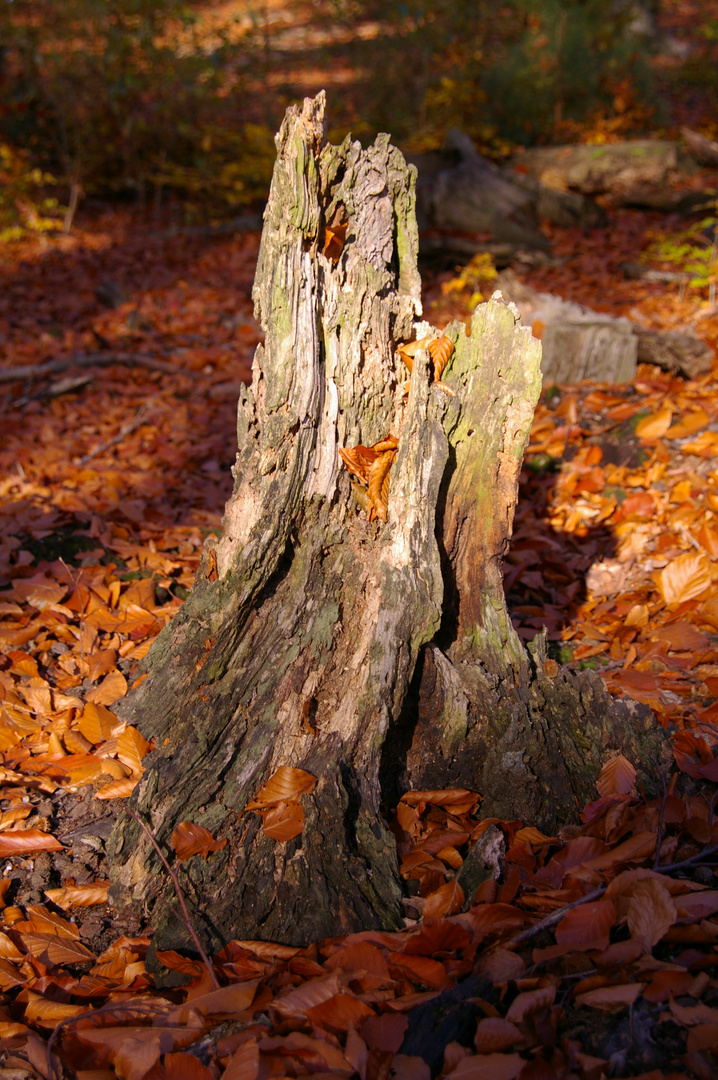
363 652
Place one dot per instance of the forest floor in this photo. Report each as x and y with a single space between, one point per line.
596 951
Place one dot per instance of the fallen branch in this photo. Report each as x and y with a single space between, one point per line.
93 359
139 419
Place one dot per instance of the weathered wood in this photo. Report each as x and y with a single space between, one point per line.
577 343
704 150
582 344
467 204
637 172
311 630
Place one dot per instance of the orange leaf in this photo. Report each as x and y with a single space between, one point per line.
339 1012
284 821
445 797
440 350
685 577
101 663
234 998
79 895
587 927
46 1013
111 689
53 949
446 900
655 425
244 1063
421 970
189 839
27 842
617 776
118 789
285 785
131 748
97 723
186 1067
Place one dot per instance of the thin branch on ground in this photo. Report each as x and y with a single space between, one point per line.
180 896
140 417
93 359
145 1006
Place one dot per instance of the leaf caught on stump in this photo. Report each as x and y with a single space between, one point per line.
189 839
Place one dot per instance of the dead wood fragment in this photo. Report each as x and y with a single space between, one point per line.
94 359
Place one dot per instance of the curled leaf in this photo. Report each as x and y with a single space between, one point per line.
440 351
379 485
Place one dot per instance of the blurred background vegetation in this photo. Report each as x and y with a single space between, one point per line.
154 99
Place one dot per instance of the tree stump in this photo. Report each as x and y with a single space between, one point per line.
370 654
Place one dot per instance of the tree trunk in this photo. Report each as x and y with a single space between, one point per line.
359 651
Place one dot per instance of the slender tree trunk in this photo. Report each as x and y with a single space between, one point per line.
370 654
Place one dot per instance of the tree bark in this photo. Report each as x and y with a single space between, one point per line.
366 653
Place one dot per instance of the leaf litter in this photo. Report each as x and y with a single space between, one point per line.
590 953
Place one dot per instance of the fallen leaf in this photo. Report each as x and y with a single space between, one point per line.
189 839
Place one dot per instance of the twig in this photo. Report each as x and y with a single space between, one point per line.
141 1006
180 896
659 830
668 868
121 434
554 917
93 359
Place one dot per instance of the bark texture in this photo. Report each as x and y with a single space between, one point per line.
362 652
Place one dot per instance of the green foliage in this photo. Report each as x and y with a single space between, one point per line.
521 71
25 206
694 250
474 282
120 95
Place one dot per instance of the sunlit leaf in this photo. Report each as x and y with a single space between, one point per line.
189 839
685 577
27 842
285 785
72 896
284 821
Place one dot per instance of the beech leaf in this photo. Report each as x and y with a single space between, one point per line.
617 776
189 839
285 785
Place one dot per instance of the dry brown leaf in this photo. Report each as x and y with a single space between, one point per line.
27 842
118 789
587 927
284 821
617 776
97 723
111 689
488 1067
72 896
610 998
495 1033
189 839
685 577
651 912
285 785
446 900
656 425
